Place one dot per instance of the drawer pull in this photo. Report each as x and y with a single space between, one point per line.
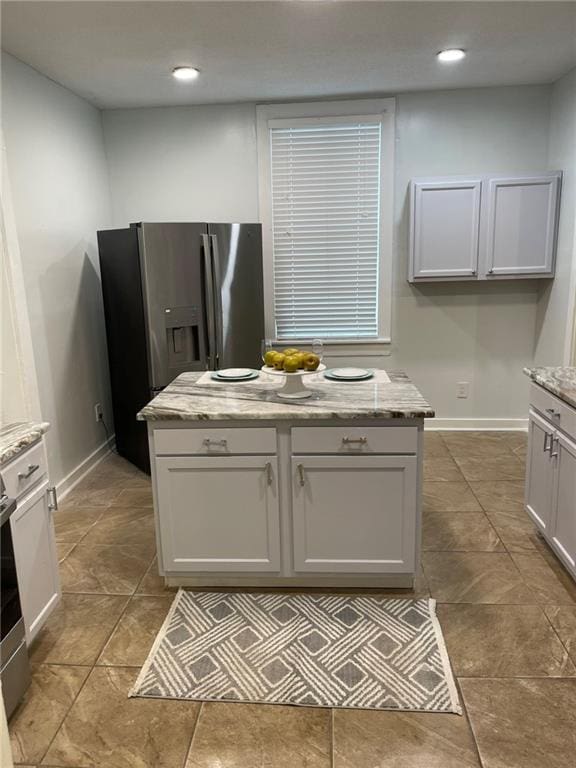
31 469
214 443
354 440
269 472
554 414
301 473
547 447
554 453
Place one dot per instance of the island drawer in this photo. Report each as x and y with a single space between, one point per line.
25 471
559 413
355 440
214 442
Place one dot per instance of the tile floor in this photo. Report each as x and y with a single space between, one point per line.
507 608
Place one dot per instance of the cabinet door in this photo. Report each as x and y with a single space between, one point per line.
36 560
521 228
354 513
445 219
564 519
539 471
219 514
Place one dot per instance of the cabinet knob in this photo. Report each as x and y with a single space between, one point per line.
301 473
31 469
355 440
547 446
214 443
554 414
554 453
52 499
269 472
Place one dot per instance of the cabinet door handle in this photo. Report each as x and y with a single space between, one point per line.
554 414
554 453
218 443
301 474
546 446
31 469
269 472
52 499
351 440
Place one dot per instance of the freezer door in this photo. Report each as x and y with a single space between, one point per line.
238 293
172 266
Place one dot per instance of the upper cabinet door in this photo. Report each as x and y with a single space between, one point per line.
521 225
444 229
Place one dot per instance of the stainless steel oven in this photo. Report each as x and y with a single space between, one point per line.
14 665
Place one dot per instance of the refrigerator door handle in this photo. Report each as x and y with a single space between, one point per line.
209 299
219 310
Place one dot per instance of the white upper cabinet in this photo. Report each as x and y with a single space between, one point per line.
521 227
444 229
484 228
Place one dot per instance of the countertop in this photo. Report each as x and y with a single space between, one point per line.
15 438
187 399
561 381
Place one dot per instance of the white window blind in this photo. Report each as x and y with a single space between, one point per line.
325 228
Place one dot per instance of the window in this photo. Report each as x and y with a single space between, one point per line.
325 197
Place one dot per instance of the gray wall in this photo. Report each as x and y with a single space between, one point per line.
60 194
201 163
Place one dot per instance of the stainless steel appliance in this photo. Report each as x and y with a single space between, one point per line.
14 665
177 297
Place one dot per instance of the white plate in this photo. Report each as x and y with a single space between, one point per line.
234 373
349 373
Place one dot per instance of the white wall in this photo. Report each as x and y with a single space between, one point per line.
200 163
60 194
556 307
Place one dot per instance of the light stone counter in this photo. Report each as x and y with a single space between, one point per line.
188 399
560 381
15 438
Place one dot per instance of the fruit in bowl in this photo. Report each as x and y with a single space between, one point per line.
278 361
311 361
290 351
269 357
291 363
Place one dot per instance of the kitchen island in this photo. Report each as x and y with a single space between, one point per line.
253 490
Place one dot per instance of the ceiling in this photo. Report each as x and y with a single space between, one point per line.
120 54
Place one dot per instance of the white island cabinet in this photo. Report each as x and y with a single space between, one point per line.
253 490
551 461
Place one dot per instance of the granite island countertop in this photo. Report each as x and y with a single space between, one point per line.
15 438
196 397
559 380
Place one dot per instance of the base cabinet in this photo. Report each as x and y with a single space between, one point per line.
219 513
550 497
36 559
354 514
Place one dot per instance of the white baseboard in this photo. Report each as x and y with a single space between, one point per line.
477 425
72 479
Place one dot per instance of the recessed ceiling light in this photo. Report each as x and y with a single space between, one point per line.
451 54
185 73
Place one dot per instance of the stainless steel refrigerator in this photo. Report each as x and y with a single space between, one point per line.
177 297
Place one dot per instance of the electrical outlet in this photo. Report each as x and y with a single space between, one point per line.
98 412
462 389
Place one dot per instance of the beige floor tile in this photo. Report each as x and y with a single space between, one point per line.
134 497
107 569
78 629
501 496
63 549
152 583
523 723
491 469
261 736
548 587
515 439
434 446
127 526
479 444
46 702
517 532
449 497
134 634
365 739
459 532
71 524
475 577
441 469
503 641
563 619
106 728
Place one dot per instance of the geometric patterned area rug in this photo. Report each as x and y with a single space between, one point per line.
320 650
